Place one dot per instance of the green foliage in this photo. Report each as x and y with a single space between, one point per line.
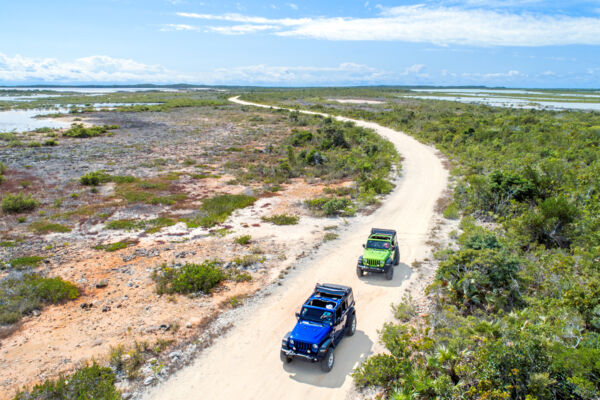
330 236
26 262
331 206
17 203
2 171
79 131
50 142
22 294
94 178
330 150
44 227
112 246
90 382
243 240
516 310
189 278
216 210
282 219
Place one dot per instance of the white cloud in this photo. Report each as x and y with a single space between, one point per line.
292 6
240 29
88 69
178 27
439 25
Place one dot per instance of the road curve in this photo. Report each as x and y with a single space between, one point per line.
245 364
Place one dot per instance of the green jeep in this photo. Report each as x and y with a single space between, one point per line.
381 253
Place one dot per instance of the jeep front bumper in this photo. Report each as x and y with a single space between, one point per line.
372 269
308 357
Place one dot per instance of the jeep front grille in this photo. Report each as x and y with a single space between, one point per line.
373 263
302 346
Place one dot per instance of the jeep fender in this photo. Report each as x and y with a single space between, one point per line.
325 345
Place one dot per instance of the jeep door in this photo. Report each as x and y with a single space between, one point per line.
340 322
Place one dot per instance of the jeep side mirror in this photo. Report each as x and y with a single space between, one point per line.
297 315
363 245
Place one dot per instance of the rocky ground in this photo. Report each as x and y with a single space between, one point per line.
118 302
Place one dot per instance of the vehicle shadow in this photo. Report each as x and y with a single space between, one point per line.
348 354
401 273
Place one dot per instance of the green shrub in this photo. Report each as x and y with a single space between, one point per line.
282 219
44 227
17 203
217 209
330 236
113 246
90 382
243 240
330 206
21 295
452 211
190 278
79 131
94 178
125 224
2 171
25 262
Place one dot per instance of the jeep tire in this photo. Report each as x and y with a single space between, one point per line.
397 256
284 358
351 329
359 272
327 362
389 273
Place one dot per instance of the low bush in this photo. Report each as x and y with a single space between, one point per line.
44 227
243 240
94 178
17 203
190 278
217 209
90 382
79 131
51 142
26 262
150 226
22 294
330 236
113 246
2 171
331 206
282 219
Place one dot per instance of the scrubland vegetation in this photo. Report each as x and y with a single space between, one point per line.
324 148
90 382
196 278
21 294
517 307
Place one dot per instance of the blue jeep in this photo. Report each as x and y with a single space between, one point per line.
325 318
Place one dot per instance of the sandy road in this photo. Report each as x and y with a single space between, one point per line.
245 364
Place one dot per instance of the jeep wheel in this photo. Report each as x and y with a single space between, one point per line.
389 274
284 358
397 257
351 326
327 362
359 272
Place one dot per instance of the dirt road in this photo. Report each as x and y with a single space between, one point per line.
245 364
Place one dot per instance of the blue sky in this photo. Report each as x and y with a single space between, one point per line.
511 43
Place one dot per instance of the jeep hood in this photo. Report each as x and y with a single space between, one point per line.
376 254
310 332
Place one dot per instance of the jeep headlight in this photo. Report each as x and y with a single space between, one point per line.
315 347
292 341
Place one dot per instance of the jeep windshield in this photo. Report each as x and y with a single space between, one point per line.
378 244
316 314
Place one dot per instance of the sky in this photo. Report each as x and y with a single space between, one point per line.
510 43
